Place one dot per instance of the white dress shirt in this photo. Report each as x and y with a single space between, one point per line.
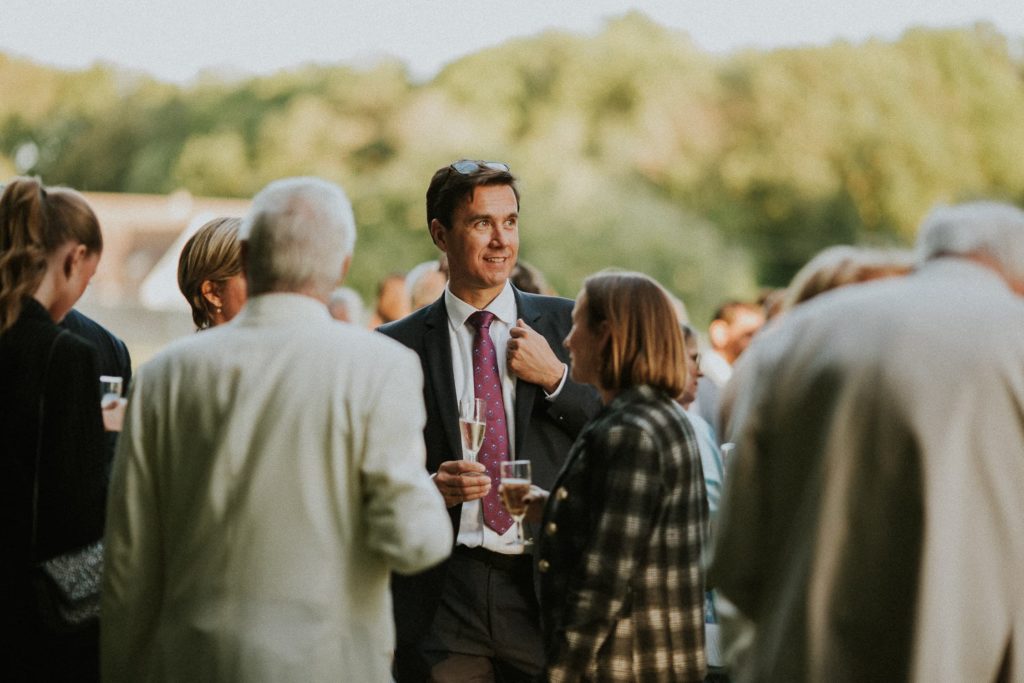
472 530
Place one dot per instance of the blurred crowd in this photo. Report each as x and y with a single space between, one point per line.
475 479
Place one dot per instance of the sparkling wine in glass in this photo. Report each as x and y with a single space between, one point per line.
110 389
515 484
472 425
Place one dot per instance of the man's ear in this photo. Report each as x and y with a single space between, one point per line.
718 334
211 293
438 234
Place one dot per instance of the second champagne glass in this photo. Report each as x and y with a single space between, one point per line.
473 426
515 484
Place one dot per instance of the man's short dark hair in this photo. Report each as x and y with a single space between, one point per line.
448 188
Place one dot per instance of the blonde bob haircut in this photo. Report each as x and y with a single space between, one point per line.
643 343
213 254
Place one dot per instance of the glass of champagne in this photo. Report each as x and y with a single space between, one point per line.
472 425
110 390
515 484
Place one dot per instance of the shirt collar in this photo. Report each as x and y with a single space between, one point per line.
281 307
502 306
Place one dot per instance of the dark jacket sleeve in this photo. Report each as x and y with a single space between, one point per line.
574 406
73 466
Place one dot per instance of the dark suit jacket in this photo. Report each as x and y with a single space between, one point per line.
544 429
112 357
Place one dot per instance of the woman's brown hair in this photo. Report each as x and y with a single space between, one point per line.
210 254
644 344
35 222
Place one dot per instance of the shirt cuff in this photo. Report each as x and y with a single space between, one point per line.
554 394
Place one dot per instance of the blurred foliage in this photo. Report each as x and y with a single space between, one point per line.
635 149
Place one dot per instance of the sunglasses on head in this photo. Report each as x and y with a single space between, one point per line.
469 167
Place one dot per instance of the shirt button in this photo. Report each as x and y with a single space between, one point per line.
562 493
543 566
551 528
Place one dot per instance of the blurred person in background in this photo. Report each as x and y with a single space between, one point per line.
345 305
707 439
529 278
269 477
845 265
54 469
112 358
393 301
733 328
426 282
713 467
621 584
872 524
210 273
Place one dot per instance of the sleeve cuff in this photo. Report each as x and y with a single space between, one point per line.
554 394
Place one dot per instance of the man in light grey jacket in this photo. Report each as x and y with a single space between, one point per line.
872 526
269 477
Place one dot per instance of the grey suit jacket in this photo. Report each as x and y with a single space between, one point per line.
872 518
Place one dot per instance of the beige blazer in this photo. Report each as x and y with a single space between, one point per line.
873 519
269 476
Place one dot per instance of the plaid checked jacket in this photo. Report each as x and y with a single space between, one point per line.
622 589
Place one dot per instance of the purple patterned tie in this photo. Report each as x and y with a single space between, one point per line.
487 383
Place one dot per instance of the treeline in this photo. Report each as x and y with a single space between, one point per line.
636 149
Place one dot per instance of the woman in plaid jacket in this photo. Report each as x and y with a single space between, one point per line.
620 546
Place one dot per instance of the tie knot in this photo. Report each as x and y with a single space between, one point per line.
481 320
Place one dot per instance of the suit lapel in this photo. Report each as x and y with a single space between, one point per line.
526 393
438 351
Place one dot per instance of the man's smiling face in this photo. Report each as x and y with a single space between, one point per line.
482 243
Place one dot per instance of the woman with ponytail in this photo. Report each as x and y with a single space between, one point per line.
53 468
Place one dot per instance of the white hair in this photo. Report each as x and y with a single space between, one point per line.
346 300
299 232
417 272
991 229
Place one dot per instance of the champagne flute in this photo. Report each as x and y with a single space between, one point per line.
110 389
472 426
515 484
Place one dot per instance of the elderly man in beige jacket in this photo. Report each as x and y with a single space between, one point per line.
873 521
269 476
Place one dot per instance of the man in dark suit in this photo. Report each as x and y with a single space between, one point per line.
475 616
112 358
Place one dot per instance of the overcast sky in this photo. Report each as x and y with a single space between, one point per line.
174 40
